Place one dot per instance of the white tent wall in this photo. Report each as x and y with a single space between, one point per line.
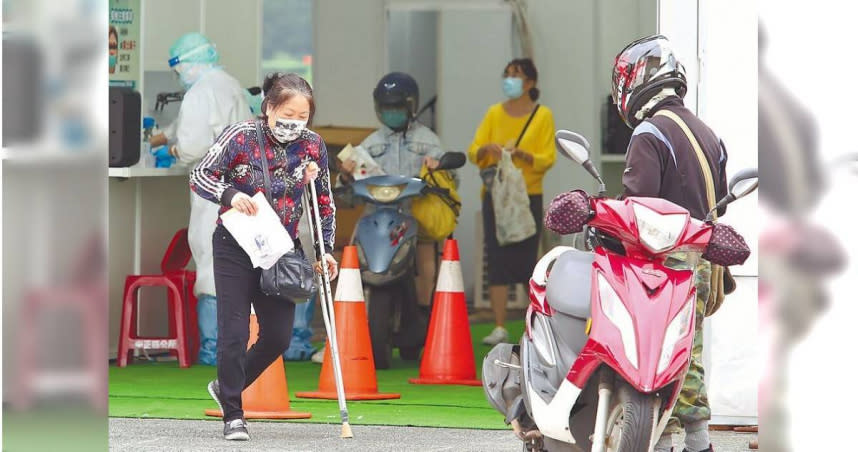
722 66
574 46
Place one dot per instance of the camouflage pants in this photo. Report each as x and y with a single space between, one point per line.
693 403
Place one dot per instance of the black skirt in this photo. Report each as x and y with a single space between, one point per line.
510 264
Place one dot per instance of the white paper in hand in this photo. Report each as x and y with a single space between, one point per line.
262 236
365 165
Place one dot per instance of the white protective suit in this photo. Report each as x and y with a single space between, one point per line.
215 101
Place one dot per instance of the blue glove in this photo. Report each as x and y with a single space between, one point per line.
165 162
161 152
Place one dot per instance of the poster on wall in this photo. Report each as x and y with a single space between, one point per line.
124 43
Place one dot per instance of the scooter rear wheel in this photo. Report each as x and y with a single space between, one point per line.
411 353
381 308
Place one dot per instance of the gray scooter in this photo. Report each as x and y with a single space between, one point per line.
386 240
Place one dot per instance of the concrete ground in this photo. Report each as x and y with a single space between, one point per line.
175 435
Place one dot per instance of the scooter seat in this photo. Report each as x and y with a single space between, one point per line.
568 287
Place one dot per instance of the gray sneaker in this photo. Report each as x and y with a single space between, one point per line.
214 391
235 430
498 335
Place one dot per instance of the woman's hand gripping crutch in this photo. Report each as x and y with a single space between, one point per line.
326 300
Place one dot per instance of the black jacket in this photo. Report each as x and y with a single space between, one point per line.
661 162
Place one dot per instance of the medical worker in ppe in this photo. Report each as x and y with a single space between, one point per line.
213 100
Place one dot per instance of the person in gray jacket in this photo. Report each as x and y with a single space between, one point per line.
402 146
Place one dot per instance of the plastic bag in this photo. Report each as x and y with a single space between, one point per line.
262 236
514 221
437 214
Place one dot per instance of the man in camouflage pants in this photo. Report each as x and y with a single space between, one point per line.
672 155
693 404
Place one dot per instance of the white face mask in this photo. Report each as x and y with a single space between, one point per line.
286 130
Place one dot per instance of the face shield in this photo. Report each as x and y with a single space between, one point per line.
203 53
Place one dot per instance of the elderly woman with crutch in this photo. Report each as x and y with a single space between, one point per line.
280 157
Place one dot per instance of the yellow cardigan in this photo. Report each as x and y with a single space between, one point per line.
501 128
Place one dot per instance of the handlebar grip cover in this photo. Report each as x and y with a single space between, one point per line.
568 212
726 246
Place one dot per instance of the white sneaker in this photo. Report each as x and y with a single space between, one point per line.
319 356
499 334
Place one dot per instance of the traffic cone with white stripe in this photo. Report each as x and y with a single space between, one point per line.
448 358
355 347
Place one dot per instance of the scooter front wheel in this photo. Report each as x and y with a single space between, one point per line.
632 421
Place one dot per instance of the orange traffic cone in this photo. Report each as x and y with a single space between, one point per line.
355 348
449 355
268 396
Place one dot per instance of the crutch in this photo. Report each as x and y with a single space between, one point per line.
327 303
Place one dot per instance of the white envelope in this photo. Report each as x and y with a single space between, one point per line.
366 165
263 236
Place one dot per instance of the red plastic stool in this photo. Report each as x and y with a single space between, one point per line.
179 283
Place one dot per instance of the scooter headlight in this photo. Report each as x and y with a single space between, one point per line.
385 193
617 313
676 330
658 232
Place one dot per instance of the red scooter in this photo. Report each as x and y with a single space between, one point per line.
609 332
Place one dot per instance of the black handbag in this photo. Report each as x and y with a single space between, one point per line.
291 277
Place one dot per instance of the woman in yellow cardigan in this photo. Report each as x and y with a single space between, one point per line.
505 128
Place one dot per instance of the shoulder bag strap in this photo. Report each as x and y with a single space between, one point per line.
266 179
526 125
701 157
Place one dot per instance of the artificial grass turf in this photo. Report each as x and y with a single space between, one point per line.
163 390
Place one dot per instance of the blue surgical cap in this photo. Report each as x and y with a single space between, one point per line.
193 48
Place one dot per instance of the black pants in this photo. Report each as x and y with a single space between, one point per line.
510 264
237 285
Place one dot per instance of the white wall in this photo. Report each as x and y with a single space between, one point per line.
727 101
677 19
722 66
412 52
574 44
234 27
348 60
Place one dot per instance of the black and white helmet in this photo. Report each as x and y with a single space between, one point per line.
641 70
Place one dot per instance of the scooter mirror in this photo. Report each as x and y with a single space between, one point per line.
452 160
743 183
573 146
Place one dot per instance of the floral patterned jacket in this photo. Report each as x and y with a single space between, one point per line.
233 165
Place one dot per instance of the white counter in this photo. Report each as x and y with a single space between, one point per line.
131 172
